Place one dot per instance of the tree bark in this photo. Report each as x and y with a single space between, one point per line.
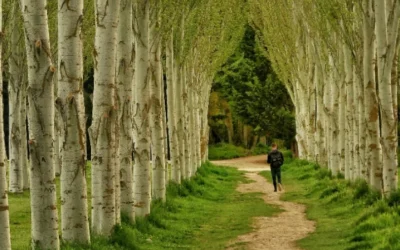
171 109
23 132
142 185
5 242
125 64
156 111
74 207
373 146
386 37
102 130
41 123
356 125
180 118
15 87
186 115
342 113
348 69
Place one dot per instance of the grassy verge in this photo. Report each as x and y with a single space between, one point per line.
348 215
203 213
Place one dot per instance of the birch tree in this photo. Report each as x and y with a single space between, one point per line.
41 122
125 65
172 126
156 107
387 24
5 242
141 175
74 210
15 88
102 130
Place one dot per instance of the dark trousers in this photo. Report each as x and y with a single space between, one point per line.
276 173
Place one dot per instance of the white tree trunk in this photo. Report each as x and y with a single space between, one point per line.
348 70
319 137
327 121
15 86
356 125
342 113
191 131
156 112
310 102
187 146
74 207
104 113
142 187
41 123
334 112
301 135
23 132
208 84
5 242
57 139
386 37
171 109
125 63
373 158
179 119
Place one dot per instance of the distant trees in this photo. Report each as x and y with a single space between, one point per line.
256 96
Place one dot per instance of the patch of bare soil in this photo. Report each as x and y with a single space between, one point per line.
278 232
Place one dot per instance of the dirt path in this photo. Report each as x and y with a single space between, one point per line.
279 232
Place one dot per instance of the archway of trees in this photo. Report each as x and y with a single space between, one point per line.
152 64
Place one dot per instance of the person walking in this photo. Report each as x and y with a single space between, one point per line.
275 159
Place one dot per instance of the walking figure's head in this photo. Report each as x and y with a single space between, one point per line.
274 146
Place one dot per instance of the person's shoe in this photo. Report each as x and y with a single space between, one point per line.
274 190
280 187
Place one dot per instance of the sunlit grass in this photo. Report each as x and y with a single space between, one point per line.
348 215
203 213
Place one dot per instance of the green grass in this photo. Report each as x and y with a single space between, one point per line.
20 220
222 151
203 213
348 215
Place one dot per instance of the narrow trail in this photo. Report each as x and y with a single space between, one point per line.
278 232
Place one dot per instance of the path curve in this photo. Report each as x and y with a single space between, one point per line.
278 232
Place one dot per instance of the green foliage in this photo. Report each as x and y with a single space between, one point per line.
348 215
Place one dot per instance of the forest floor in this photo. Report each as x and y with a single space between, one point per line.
277 232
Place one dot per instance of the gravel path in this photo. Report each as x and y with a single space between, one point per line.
279 232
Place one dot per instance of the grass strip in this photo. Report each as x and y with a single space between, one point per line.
205 212
348 215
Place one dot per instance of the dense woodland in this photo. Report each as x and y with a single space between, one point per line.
134 79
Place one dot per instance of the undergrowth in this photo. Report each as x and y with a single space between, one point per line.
349 215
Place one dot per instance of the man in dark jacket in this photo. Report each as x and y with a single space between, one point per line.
275 159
